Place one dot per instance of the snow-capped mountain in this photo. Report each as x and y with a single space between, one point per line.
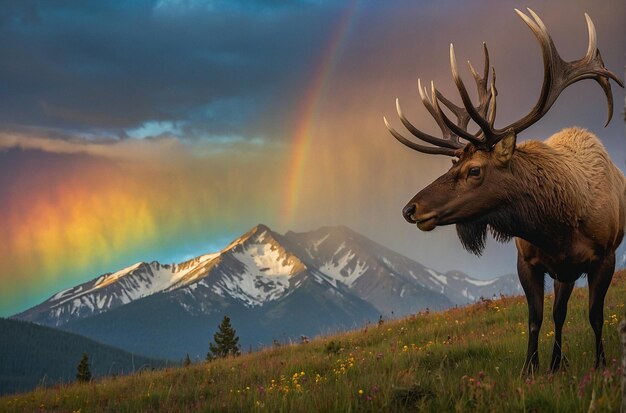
253 269
260 266
273 285
112 290
392 282
463 289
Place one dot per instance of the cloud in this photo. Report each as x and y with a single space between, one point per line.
195 6
116 66
160 148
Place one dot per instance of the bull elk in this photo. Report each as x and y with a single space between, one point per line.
563 200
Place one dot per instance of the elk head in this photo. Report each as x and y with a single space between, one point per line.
479 181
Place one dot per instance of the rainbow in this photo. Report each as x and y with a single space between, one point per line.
68 218
308 113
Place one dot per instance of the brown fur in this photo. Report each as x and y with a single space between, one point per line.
579 180
571 194
564 202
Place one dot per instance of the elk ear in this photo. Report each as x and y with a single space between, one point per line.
504 149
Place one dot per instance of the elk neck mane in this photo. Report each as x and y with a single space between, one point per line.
553 187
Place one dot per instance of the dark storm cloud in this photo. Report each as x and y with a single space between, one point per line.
209 68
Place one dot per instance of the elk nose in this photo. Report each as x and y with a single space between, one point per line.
408 212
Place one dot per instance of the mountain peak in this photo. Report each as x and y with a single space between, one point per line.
256 234
325 231
340 230
260 228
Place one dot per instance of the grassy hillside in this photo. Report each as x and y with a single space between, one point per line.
31 355
465 359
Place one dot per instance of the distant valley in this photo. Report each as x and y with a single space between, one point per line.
31 355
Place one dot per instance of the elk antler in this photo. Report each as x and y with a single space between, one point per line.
558 74
450 144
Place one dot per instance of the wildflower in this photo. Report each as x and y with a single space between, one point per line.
360 392
607 375
584 382
613 320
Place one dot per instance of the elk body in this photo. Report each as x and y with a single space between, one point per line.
563 200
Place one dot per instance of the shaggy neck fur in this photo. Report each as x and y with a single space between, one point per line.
540 204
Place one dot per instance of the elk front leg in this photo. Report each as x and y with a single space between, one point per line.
599 281
532 277
562 293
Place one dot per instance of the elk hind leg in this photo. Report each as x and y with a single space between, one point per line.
532 279
599 282
562 293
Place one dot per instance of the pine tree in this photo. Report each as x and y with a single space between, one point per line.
187 361
226 341
82 371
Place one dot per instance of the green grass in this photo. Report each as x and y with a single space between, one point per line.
466 359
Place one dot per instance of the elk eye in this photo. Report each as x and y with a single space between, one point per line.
474 171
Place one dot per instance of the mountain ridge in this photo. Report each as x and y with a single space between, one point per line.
286 285
283 256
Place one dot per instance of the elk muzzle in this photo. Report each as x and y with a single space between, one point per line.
425 220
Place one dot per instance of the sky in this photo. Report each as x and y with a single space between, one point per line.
163 129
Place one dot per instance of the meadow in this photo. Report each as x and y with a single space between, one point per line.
463 359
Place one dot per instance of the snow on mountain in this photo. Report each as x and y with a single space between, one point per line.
263 267
254 269
109 291
463 289
392 282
